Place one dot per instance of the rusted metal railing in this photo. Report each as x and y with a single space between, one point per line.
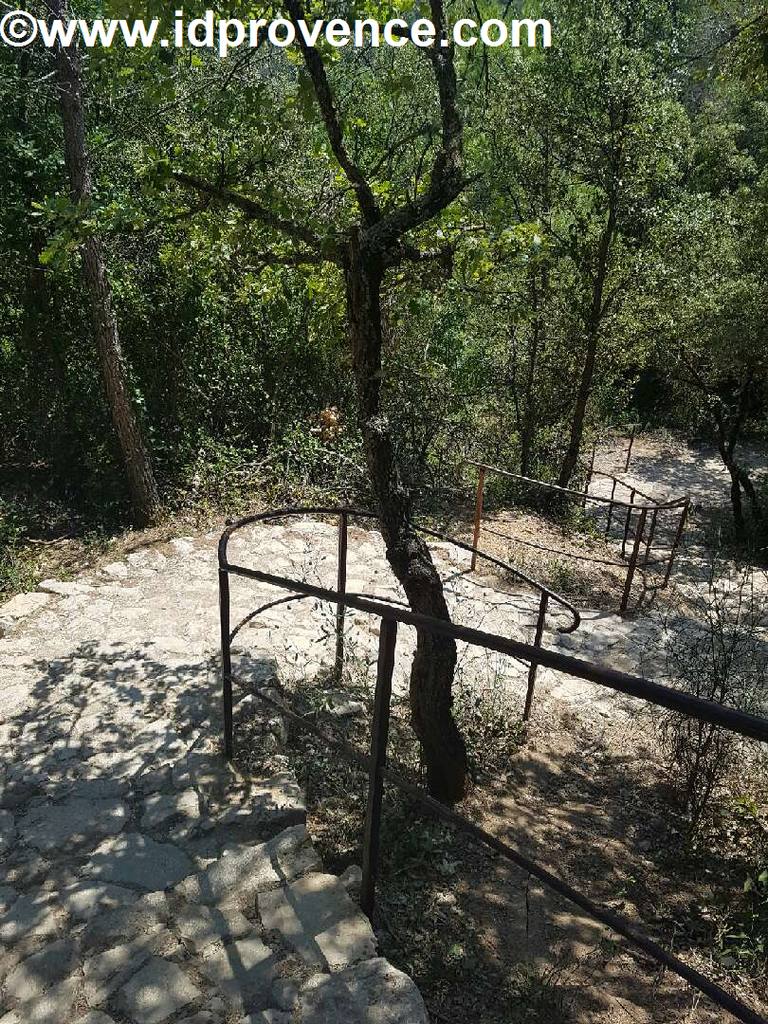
631 508
375 763
344 514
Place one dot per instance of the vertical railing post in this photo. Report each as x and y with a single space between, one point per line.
379 736
226 663
533 668
341 587
590 473
478 515
629 449
628 522
610 508
678 538
633 561
651 535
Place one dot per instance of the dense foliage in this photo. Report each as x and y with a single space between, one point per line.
611 235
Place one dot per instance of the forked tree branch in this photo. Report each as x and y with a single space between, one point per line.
314 64
447 176
382 233
253 209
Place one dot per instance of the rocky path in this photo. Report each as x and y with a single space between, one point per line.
143 880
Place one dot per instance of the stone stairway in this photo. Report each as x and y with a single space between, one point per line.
143 880
184 893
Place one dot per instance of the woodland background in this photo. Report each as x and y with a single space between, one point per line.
605 263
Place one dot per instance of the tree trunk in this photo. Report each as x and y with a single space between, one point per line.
530 407
38 337
751 493
434 662
727 439
140 477
594 322
738 511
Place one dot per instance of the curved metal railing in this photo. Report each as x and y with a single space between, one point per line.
732 719
344 514
643 530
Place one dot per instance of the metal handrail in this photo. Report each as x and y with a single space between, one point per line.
737 721
655 506
678 505
344 514
322 510
630 487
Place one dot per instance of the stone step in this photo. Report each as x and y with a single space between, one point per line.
259 935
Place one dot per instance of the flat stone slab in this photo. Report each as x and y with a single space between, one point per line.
74 822
199 926
7 830
277 801
317 918
243 973
65 588
8 896
39 972
160 807
159 990
247 870
53 1006
207 773
373 992
136 860
141 918
22 605
110 970
85 900
30 915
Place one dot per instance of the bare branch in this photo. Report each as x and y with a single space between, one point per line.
255 211
316 69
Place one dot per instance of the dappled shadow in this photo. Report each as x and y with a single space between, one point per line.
679 470
598 819
115 792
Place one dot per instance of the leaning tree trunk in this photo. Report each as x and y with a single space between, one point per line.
571 459
434 662
596 312
141 481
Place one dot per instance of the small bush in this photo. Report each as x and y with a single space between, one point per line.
718 654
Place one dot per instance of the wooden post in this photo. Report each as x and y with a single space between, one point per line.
478 516
533 669
678 538
633 561
341 587
379 736
226 663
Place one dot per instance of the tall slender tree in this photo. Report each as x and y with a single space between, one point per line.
138 468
